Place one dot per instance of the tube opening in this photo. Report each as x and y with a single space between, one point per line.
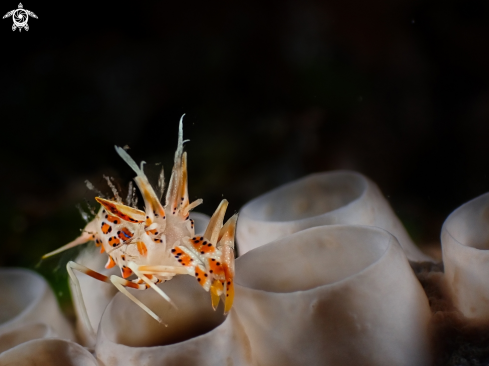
311 196
125 323
19 289
314 257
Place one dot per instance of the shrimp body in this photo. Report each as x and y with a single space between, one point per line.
159 243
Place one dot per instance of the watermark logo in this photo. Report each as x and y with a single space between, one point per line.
20 17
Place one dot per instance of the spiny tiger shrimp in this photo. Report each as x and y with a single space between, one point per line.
159 243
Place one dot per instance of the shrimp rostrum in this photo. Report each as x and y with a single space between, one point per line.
159 243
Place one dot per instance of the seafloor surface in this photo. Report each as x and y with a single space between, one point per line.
457 341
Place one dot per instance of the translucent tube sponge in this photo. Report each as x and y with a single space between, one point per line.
27 298
465 244
333 295
340 197
23 333
48 352
196 334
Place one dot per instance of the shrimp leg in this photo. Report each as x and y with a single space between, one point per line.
135 268
98 276
120 283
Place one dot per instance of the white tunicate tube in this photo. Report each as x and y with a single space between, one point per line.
26 298
333 295
23 333
47 352
195 335
339 197
465 245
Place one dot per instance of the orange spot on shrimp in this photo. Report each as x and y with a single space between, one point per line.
202 246
126 272
113 219
182 257
102 249
216 267
114 241
106 228
124 234
201 276
142 248
110 263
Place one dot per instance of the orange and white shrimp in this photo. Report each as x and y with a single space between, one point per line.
159 243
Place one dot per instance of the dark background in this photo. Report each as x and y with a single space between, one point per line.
272 91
